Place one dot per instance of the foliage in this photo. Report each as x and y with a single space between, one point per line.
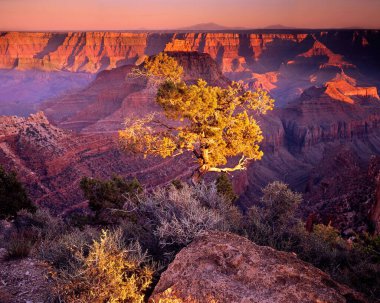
28 230
108 194
62 250
42 223
182 214
274 223
12 195
269 224
213 123
225 187
279 203
110 272
19 244
159 68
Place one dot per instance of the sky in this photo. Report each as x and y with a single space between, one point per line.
50 15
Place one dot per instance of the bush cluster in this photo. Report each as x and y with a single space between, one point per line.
274 223
13 196
137 233
108 272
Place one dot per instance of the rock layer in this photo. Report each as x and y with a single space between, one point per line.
51 161
236 52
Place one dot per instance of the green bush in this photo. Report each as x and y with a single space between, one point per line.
274 223
225 187
13 197
108 194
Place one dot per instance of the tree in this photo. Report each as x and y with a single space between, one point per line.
13 197
212 122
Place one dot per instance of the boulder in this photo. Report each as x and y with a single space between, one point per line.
223 267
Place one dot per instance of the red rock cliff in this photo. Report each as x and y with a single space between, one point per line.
235 52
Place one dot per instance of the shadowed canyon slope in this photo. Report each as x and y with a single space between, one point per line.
326 90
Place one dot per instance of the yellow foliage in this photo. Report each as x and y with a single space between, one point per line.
159 68
328 233
109 274
214 123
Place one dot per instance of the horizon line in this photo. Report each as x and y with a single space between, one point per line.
188 30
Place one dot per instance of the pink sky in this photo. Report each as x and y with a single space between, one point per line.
171 14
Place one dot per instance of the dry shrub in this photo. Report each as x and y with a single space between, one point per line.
62 250
110 272
41 222
19 244
177 215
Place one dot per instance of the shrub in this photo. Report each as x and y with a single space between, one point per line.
108 194
225 188
273 222
41 222
279 203
27 230
178 215
110 272
62 250
12 195
19 244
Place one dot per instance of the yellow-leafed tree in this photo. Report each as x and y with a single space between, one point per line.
212 122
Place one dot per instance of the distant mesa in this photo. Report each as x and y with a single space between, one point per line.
209 27
279 26
321 50
217 27
341 88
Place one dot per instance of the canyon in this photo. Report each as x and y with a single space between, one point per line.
323 134
237 52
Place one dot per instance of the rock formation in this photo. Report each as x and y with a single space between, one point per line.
51 162
223 267
323 111
238 52
115 95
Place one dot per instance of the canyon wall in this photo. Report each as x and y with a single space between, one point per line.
239 52
318 141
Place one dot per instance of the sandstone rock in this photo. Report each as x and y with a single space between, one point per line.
222 267
236 52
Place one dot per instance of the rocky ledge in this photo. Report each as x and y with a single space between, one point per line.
222 267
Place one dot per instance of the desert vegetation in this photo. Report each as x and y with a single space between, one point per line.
115 250
12 195
118 252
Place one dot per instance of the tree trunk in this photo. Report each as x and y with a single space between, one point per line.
196 177
198 174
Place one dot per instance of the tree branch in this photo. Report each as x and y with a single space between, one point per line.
242 165
164 125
